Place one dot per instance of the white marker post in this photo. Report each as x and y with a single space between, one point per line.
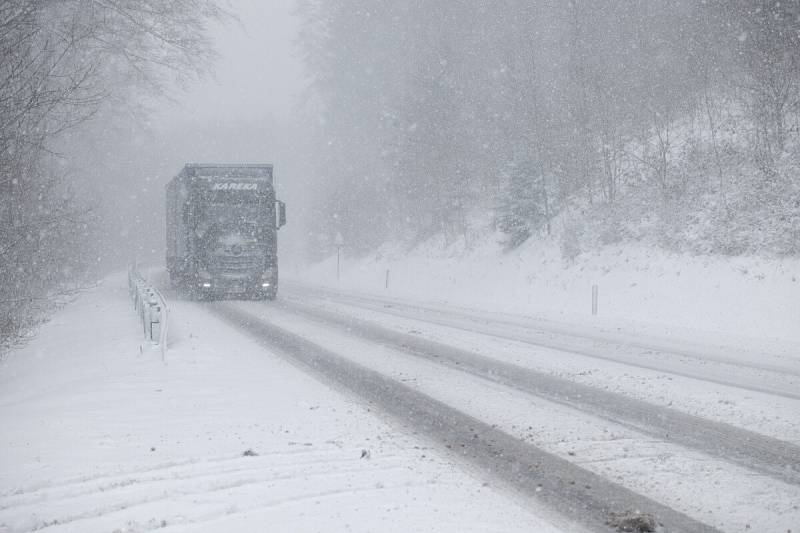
338 241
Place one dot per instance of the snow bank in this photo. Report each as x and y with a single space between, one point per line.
733 299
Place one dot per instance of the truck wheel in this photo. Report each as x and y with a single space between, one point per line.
195 294
203 296
268 295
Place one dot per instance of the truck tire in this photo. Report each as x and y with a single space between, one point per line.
266 295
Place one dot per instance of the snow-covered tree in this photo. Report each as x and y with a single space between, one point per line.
60 62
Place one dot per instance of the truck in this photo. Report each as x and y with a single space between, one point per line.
222 226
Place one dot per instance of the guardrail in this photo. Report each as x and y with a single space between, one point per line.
151 307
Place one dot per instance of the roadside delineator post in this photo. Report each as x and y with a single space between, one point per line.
594 300
338 241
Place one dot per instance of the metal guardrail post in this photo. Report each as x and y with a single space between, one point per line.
151 307
155 325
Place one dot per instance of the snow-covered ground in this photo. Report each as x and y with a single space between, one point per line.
99 435
738 301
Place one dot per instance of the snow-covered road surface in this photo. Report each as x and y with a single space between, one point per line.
768 455
763 401
706 486
542 476
415 421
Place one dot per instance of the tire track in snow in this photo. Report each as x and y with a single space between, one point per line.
569 489
44 514
215 511
161 467
775 458
185 471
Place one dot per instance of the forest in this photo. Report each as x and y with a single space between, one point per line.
65 63
673 124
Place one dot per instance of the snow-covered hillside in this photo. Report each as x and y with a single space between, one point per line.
728 300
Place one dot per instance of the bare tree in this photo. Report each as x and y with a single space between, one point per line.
60 62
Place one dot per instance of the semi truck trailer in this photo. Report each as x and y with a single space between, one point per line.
222 228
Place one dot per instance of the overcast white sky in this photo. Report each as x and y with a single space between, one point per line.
258 72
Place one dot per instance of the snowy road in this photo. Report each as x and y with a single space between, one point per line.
752 450
755 394
574 491
662 450
415 420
